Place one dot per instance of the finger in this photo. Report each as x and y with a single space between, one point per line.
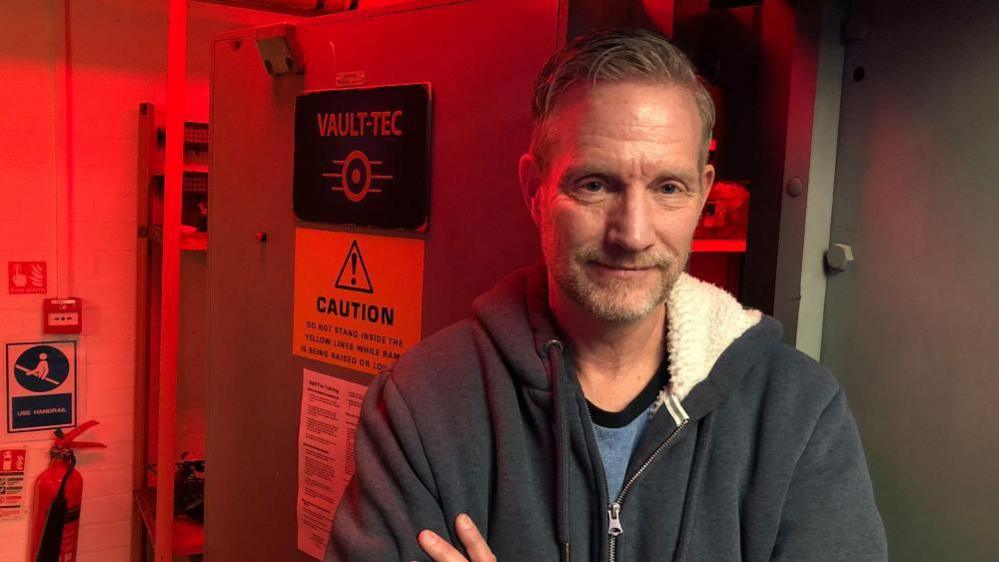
476 546
437 548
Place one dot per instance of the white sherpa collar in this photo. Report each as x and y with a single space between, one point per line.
703 321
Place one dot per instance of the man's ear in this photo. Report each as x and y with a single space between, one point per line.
707 182
530 185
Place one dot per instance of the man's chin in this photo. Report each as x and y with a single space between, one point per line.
612 299
617 307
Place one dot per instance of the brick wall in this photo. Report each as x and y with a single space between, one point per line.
117 60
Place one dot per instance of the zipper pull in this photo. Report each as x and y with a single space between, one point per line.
614 515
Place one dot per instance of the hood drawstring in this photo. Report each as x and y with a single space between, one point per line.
555 351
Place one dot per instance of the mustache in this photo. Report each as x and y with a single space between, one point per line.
627 260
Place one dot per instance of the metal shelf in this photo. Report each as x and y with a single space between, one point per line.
188 534
189 241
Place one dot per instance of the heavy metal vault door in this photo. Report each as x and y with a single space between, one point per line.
479 58
910 326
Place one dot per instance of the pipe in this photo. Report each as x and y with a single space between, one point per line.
173 171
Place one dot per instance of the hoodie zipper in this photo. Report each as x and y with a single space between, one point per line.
614 519
614 527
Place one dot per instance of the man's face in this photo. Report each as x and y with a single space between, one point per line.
621 197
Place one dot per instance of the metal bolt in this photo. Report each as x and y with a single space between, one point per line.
795 187
839 257
262 236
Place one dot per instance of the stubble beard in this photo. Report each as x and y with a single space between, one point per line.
613 300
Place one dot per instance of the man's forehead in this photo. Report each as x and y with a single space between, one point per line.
614 121
640 111
645 98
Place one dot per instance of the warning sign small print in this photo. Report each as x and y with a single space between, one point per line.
358 298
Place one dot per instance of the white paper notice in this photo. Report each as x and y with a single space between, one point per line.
12 492
330 409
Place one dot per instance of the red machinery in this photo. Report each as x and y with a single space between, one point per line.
58 493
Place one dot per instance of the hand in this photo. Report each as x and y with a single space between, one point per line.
441 551
20 280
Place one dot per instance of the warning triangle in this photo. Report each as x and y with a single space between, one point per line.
353 273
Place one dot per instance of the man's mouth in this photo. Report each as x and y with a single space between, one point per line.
622 271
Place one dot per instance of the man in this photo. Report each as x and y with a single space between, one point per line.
607 406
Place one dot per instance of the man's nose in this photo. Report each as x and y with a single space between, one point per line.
630 224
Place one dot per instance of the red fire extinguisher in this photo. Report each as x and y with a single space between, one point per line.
58 492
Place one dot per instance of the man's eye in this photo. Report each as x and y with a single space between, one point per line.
669 188
592 186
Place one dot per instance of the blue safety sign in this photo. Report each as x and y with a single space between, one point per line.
41 385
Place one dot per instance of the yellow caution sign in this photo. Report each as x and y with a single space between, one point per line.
358 298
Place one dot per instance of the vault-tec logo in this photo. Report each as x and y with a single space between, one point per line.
362 157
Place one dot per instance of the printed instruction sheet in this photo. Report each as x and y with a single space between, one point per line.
330 410
12 488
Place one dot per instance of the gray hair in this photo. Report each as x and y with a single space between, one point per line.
615 56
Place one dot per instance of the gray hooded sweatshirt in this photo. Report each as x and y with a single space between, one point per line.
753 453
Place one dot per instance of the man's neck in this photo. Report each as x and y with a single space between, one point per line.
614 360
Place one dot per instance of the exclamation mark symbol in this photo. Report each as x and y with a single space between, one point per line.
353 269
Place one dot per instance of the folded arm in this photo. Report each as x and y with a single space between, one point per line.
392 496
829 512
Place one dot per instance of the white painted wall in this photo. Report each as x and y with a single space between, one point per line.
117 59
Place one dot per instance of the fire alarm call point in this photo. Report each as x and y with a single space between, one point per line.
63 316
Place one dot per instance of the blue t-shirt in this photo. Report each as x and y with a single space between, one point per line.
617 433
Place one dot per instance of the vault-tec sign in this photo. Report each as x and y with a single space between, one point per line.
362 157
358 298
41 385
